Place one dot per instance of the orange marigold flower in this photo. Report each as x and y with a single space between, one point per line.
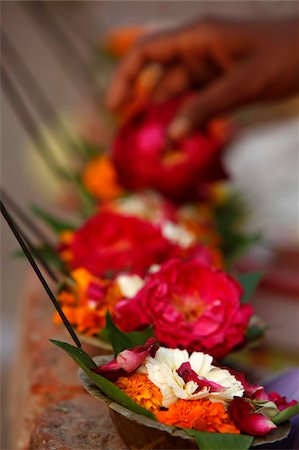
100 179
70 313
66 298
118 41
89 321
87 300
66 237
201 415
82 278
140 389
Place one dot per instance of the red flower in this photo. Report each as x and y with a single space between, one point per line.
112 242
242 413
191 306
127 361
143 158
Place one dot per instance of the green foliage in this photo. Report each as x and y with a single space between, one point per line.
286 414
140 337
229 217
78 354
220 441
249 282
87 150
113 392
56 224
48 254
121 341
255 332
88 202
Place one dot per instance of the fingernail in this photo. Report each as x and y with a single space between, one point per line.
179 128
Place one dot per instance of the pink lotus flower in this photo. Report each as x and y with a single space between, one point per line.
191 306
143 158
242 413
127 361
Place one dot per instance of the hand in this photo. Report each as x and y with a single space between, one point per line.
230 65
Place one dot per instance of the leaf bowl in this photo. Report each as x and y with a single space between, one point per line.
140 432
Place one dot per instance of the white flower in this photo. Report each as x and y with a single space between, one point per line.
177 234
129 284
154 268
92 304
146 205
162 371
133 205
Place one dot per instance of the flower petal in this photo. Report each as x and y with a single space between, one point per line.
188 374
242 413
127 361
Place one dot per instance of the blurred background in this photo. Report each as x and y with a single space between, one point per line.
47 57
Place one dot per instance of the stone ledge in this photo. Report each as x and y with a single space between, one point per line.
48 409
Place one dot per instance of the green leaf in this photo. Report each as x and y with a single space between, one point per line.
286 414
102 334
58 225
49 255
237 244
88 150
255 332
220 441
113 392
78 354
88 202
119 340
229 219
249 282
140 337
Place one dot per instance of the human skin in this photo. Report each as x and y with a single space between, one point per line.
228 64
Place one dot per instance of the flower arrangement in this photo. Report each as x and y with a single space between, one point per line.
183 303
185 390
151 240
148 268
156 236
191 306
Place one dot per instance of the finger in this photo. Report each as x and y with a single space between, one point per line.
161 48
239 86
175 81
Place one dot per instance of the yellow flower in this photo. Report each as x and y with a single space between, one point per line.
140 389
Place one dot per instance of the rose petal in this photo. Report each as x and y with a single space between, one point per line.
242 413
187 374
127 361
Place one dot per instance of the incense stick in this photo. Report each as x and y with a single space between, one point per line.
41 104
32 227
25 218
30 124
31 260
